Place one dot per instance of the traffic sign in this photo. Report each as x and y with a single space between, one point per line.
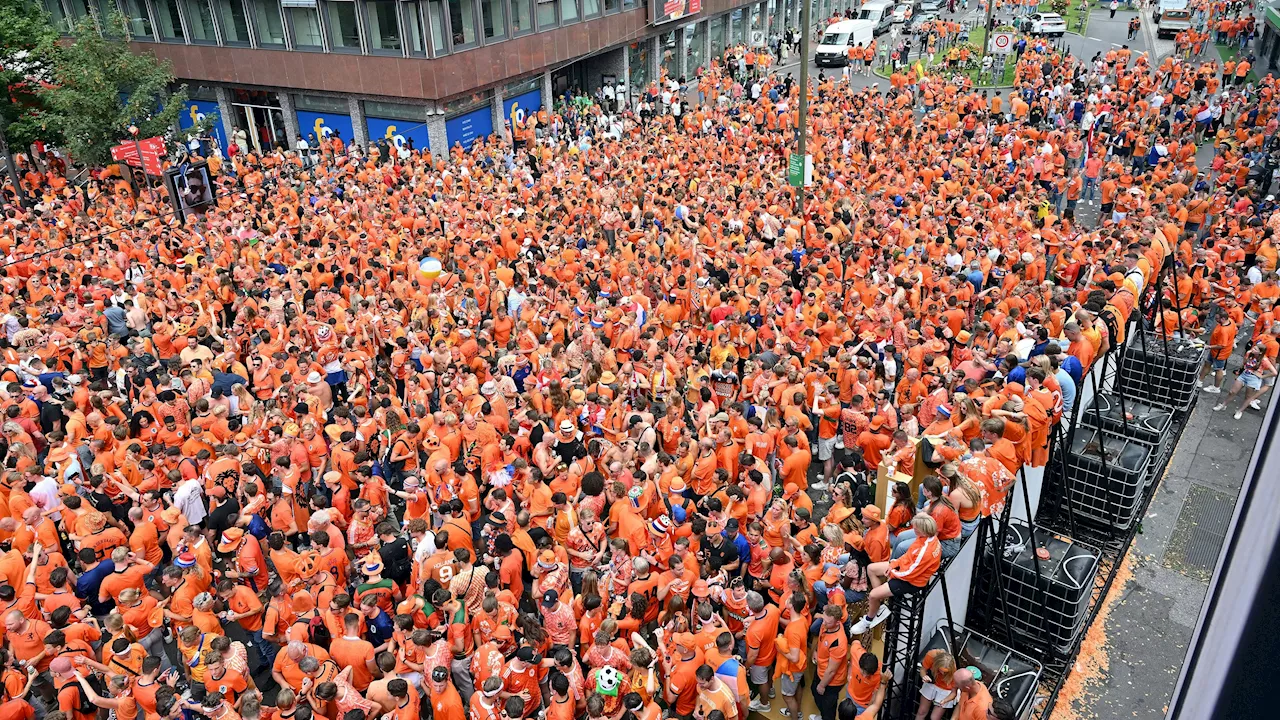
800 170
153 154
1001 43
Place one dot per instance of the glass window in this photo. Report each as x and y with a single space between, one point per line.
79 9
169 21
135 13
235 25
693 40
344 29
611 6
521 16
546 14
268 22
59 16
494 17
716 29
590 8
306 27
638 63
670 56
200 21
568 11
628 4
435 15
411 22
738 25
395 111
384 26
462 21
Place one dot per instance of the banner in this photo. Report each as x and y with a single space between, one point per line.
667 10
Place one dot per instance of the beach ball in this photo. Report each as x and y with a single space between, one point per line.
430 268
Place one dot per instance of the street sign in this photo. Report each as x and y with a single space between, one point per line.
153 154
1001 43
800 170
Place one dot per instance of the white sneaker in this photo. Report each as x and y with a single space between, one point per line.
758 707
786 712
1213 389
773 693
818 486
1255 405
867 623
1238 415
1219 406
814 717
1199 383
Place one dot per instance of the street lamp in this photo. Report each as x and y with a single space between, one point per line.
804 106
137 148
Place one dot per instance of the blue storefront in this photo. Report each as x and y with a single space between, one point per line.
522 99
465 128
403 125
323 125
200 110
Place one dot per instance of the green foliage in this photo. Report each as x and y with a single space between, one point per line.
1060 6
100 87
27 37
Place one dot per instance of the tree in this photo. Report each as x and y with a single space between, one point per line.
100 87
27 36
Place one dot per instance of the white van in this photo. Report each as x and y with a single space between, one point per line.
880 13
837 38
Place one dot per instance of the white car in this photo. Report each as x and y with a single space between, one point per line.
1048 24
901 14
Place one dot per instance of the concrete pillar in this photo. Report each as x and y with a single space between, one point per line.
499 119
290 118
226 113
360 130
438 136
682 55
548 95
655 58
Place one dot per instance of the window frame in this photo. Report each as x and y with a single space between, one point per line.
255 33
292 42
222 33
477 27
366 7
533 19
327 29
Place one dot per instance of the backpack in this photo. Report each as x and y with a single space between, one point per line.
318 633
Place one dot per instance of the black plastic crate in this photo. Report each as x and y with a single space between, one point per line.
1106 480
1141 422
1006 672
1047 600
1163 372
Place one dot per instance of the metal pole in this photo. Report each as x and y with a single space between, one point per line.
804 102
988 27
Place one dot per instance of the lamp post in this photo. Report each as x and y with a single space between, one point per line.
804 101
137 148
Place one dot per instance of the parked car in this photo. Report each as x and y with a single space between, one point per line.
1048 24
901 13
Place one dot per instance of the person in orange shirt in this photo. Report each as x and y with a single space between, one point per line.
1222 342
904 575
832 658
244 607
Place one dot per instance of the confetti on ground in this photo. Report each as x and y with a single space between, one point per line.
1090 670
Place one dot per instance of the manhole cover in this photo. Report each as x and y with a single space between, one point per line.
1201 529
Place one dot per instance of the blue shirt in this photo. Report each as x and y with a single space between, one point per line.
379 629
90 581
1068 386
744 547
1073 367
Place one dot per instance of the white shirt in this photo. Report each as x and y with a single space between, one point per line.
189 498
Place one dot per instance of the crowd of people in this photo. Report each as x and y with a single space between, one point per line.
615 458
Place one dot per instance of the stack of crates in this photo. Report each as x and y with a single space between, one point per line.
1162 371
1047 599
1106 480
1141 422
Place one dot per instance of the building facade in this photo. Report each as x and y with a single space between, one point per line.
433 73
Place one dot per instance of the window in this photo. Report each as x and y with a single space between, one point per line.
590 8
235 23
546 14
716 30
693 41
322 104
612 6
628 4
638 62
568 11
435 15
57 14
521 16
462 21
670 53
200 22
412 26
344 29
267 20
395 111
135 13
306 27
169 21
384 27
494 18
78 9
